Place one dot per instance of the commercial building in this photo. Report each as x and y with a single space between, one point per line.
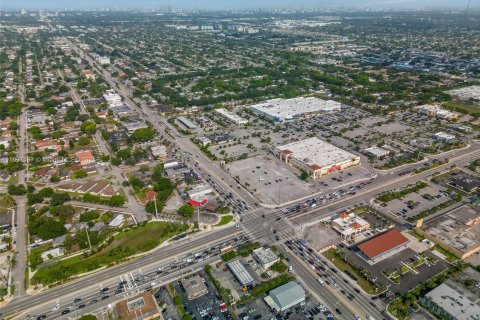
139 307
465 182
433 110
265 257
452 301
159 152
132 125
230 116
187 123
285 296
112 98
240 273
194 287
444 137
282 110
377 152
457 231
383 246
316 157
348 225
199 190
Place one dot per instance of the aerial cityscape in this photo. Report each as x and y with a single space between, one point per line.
211 160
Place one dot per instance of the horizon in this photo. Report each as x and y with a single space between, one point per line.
218 5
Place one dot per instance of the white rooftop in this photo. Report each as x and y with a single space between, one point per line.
289 108
313 151
459 302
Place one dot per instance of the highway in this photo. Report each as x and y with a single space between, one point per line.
257 222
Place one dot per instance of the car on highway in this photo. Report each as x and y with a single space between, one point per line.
42 317
66 311
105 297
77 300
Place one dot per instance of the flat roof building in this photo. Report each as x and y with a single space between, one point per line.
316 157
444 137
377 151
230 116
241 274
349 225
285 296
194 286
452 301
265 257
457 231
282 110
139 307
159 152
383 246
187 123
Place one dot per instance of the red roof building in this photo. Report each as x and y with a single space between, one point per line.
376 248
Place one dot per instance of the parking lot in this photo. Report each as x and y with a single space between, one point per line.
206 307
414 203
408 280
270 180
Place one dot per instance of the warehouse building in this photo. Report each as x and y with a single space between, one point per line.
285 296
194 287
316 157
265 257
383 246
457 231
452 301
187 123
230 116
283 110
240 273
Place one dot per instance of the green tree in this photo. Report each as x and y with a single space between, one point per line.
143 134
89 127
150 206
186 211
116 201
59 198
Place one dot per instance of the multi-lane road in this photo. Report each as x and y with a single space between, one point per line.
257 221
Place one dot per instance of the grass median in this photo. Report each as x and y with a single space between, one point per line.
127 243
224 220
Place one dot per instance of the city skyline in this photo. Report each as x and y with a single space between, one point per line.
237 5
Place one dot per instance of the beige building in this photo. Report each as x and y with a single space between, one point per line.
194 286
457 231
317 157
348 225
141 307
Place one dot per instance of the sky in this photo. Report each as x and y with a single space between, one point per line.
232 4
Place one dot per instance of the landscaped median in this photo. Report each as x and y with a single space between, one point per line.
224 220
128 242
334 256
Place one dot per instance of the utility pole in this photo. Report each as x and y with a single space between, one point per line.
88 238
156 209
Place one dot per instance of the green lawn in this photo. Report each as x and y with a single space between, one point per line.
125 244
224 220
462 108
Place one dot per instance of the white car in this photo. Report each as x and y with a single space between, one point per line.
56 308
